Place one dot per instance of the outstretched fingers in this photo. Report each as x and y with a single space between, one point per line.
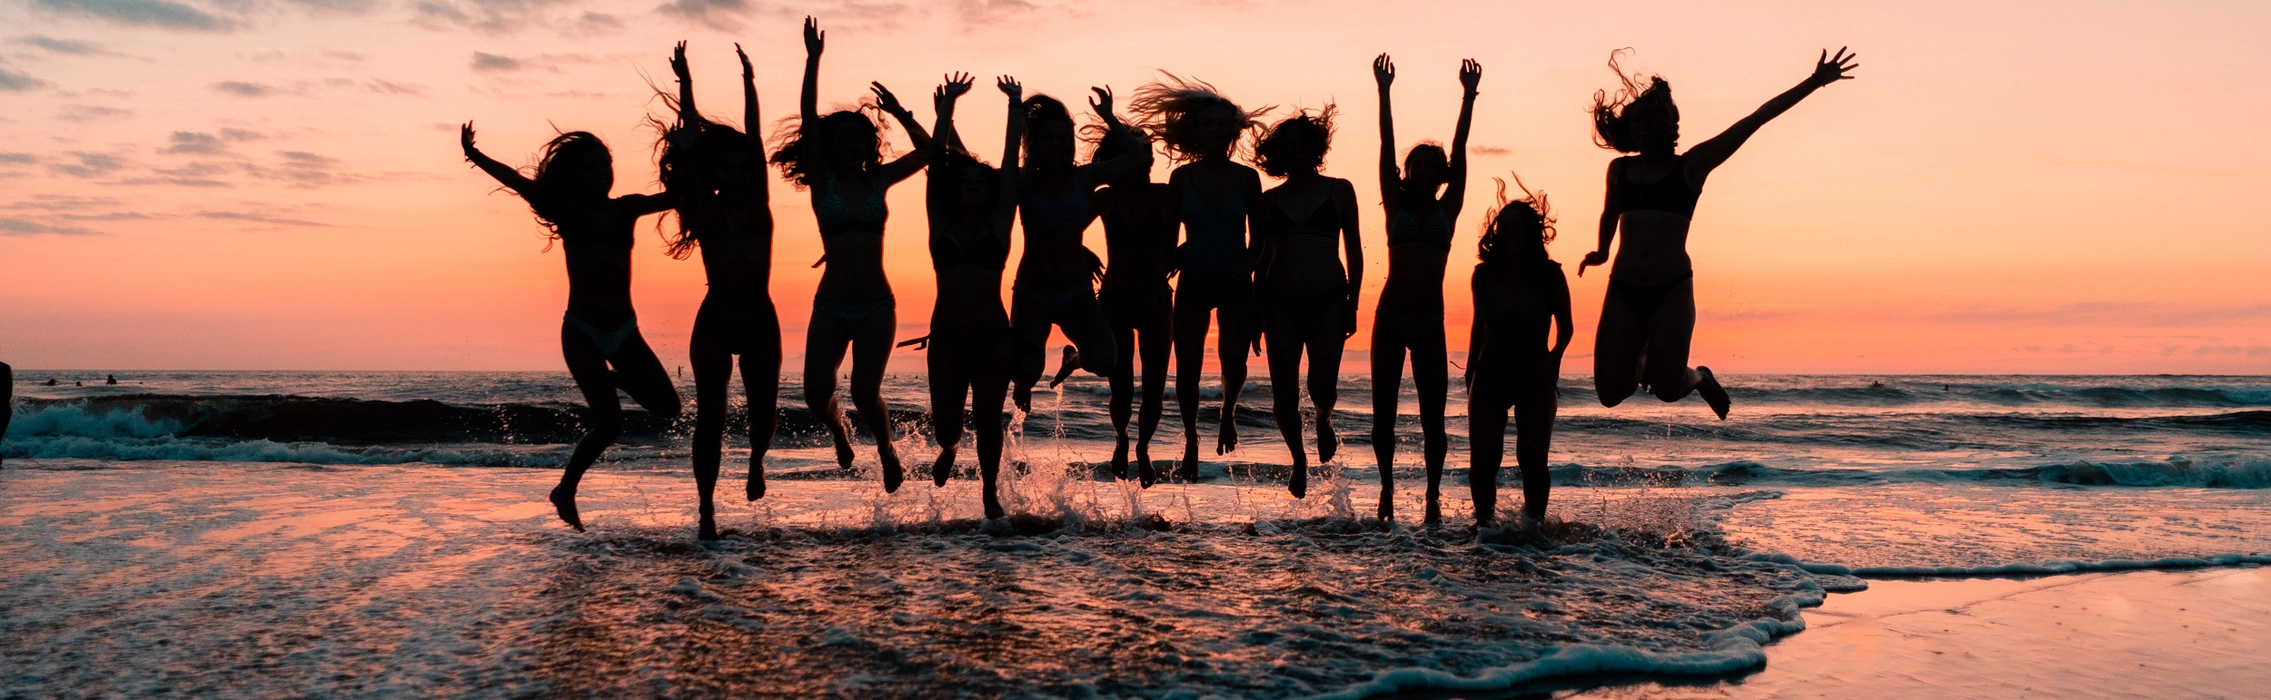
1102 102
1470 74
1009 86
1383 70
814 39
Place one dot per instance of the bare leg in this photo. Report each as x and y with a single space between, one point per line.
761 382
638 373
1191 310
871 354
1431 377
1122 403
1387 387
1325 342
1029 337
1156 339
1533 440
1285 389
824 344
948 387
1670 333
713 372
1486 436
989 387
1239 328
1617 346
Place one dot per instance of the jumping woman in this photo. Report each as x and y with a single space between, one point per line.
971 207
717 173
1308 297
599 335
1409 316
1648 318
1055 286
839 158
1138 303
1215 204
1519 292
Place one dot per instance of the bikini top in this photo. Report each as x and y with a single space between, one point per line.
1130 224
1670 193
1056 213
1322 224
947 253
1405 228
836 215
577 228
1214 239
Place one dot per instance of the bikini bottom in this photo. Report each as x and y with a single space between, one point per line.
610 342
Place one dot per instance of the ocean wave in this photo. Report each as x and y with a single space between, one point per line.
2045 568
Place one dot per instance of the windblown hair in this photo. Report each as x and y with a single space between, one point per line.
686 167
1297 143
1165 107
1516 230
1039 111
790 133
562 148
945 173
1614 115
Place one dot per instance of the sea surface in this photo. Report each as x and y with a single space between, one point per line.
379 534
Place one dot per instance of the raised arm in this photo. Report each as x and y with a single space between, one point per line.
1455 194
1005 201
808 102
750 125
1600 254
687 114
942 100
904 166
504 174
1384 72
1352 240
1706 156
1134 162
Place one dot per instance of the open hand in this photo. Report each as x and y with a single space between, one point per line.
1009 86
746 73
1470 75
465 140
1383 70
814 39
1102 102
884 99
1831 69
957 84
678 63
1598 257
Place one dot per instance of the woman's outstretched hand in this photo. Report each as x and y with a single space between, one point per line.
746 72
1009 86
1384 71
814 39
465 140
1470 75
1598 257
1102 102
956 85
884 99
1830 69
678 63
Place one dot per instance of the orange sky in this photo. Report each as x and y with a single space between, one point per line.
2039 187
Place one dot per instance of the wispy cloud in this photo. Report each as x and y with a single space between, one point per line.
80 113
64 46
13 226
258 218
89 165
193 142
721 14
1491 150
484 61
389 87
11 81
163 14
244 89
16 158
485 16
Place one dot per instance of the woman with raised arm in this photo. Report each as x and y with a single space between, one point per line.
1215 204
1138 303
1054 286
1410 313
717 173
971 207
839 158
1519 292
1308 297
599 335
1648 317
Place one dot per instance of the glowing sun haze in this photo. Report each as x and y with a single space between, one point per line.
276 184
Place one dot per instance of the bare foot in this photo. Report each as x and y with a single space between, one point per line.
564 503
843 438
1299 484
942 468
1226 441
1713 394
1328 442
1065 366
1387 501
1022 393
892 474
709 527
1188 470
993 506
756 487
1434 509
1144 473
1120 459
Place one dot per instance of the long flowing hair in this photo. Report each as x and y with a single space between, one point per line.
1637 98
686 166
789 135
546 200
1164 107
944 176
1517 230
1297 143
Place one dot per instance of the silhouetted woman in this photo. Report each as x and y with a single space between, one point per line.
1055 274
1520 293
1308 297
971 208
569 194
1648 317
1215 200
1138 303
718 175
1409 316
839 158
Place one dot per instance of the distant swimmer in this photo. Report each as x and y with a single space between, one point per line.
7 401
1648 317
971 208
1311 267
717 175
1409 315
111 379
838 157
599 335
1519 293
1215 204
51 381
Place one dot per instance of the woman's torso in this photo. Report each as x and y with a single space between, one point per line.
1517 301
1213 208
1304 227
1655 203
1419 246
968 262
851 213
737 254
595 237
1136 236
1055 214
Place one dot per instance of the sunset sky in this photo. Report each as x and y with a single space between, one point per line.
276 184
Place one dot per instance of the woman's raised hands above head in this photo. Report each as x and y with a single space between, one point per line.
886 100
1384 71
814 39
1102 102
1009 86
746 72
1829 69
678 63
1470 75
465 140
956 84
